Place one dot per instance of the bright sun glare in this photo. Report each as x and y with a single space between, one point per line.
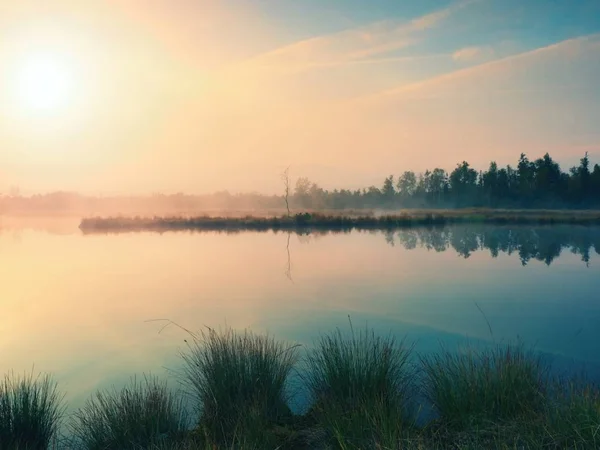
44 83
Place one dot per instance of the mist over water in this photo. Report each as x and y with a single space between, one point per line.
84 307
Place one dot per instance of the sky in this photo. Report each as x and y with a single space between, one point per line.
143 96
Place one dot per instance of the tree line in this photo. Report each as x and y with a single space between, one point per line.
531 184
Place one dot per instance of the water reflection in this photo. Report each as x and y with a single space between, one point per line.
541 244
78 306
288 270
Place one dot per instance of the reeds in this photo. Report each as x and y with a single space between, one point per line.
140 415
31 410
302 222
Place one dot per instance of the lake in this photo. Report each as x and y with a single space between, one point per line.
85 307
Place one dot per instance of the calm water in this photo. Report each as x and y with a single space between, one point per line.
79 306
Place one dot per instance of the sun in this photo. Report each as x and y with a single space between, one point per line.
45 83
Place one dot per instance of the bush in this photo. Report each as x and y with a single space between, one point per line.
140 415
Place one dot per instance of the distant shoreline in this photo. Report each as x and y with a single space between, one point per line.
303 222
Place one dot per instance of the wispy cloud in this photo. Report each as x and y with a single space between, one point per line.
470 54
564 50
490 110
349 46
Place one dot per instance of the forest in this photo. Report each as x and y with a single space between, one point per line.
537 184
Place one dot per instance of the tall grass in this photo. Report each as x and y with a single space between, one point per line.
479 387
31 410
360 387
140 415
573 416
240 384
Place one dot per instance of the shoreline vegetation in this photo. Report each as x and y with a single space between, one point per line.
366 391
306 221
530 184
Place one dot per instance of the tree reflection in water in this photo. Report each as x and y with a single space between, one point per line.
538 243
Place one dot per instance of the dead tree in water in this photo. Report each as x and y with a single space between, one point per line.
285 176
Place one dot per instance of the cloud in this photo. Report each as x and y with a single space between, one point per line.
499 74
469 54
536 101
492 110
352 45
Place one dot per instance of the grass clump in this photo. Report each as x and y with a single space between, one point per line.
240 384
360 387
485 390
31 410
573 417
140 415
